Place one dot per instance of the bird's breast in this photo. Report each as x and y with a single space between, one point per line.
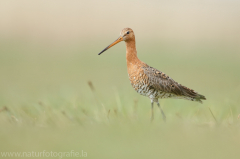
139 80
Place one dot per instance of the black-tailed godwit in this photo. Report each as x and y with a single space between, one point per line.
149 81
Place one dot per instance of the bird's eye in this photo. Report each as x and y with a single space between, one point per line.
128 32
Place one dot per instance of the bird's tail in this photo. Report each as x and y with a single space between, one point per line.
199 98
192 95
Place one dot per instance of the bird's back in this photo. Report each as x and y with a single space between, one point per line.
155 84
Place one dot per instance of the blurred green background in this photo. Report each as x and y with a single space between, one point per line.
57 94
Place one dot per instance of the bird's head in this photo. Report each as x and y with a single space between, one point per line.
126 35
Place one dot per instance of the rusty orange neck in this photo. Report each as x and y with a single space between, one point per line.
131 52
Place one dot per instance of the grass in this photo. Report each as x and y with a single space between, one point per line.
65 97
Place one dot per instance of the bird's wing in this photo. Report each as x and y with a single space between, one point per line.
161 82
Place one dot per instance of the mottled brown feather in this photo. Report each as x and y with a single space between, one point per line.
163 83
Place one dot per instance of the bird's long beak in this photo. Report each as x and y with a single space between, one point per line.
112 44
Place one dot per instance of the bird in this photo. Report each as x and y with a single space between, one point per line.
149 81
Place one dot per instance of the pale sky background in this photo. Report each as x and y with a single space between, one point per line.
62 20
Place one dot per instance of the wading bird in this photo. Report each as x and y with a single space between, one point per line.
149 81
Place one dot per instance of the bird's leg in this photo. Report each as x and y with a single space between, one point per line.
163 115
152 114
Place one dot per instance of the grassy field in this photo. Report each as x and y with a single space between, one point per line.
65 98
58 96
